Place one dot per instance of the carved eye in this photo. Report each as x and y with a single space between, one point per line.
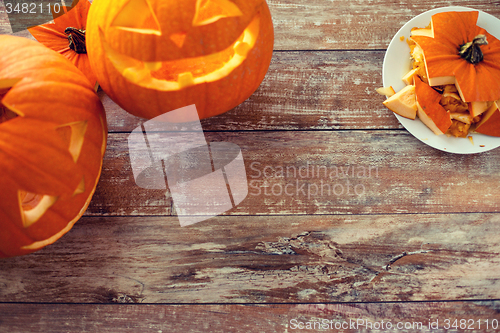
34 206
210 11
137 16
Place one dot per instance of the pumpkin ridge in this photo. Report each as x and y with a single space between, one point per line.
29 85
39 243
34 156
47 30
55 74
213 96
157 79
31 239
48 59
20 233
27 165
442 62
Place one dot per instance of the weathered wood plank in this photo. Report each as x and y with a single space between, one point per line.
319 24
4 20
275 257
346 172
317 90
410 317
341 25
302 90
285 259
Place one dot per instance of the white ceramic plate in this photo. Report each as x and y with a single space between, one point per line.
397 64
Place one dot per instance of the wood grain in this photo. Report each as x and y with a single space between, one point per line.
302 90
338 24
423 237
308 90
246 318
368 172
4 20
355 24
263 259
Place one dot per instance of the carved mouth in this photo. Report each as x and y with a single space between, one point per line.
178 74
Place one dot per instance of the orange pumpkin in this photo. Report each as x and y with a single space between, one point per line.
52 141
490 123
461 53
430 112
154 56
66 35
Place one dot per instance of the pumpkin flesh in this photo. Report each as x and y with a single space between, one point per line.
490 123
430 111
444 65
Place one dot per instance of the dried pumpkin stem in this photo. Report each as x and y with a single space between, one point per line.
76 38
471 51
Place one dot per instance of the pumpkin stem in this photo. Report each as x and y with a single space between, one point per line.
76 38
471 51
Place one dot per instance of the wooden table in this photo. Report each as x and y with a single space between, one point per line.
418 242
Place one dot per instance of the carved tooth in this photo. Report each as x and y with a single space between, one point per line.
185 79
135 74
242 48
153 66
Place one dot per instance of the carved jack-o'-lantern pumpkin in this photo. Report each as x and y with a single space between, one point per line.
52 141
154 56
